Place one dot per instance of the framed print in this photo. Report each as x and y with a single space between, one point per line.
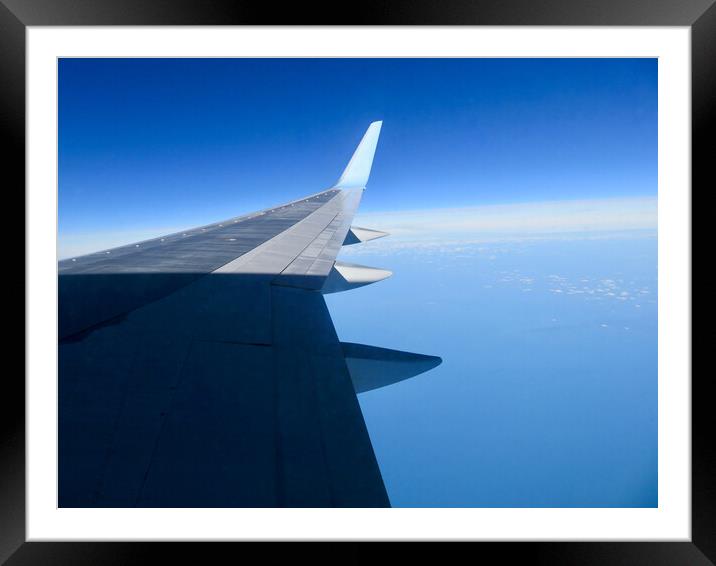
510 190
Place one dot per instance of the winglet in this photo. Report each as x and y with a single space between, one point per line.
358 169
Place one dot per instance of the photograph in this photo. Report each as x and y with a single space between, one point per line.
357 282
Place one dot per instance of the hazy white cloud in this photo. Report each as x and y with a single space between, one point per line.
555 217
456 230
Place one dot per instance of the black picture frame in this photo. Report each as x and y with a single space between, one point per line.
16 15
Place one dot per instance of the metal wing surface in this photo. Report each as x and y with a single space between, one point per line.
202 369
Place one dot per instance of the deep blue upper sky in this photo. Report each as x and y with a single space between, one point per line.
147 143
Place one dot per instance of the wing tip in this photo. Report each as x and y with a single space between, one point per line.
357 172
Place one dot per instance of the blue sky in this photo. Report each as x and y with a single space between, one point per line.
521 198
149 144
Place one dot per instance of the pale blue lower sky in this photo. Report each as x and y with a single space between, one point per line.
547 394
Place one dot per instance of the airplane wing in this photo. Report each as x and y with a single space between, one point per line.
202 368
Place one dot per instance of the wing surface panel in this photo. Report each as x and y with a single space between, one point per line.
313 264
